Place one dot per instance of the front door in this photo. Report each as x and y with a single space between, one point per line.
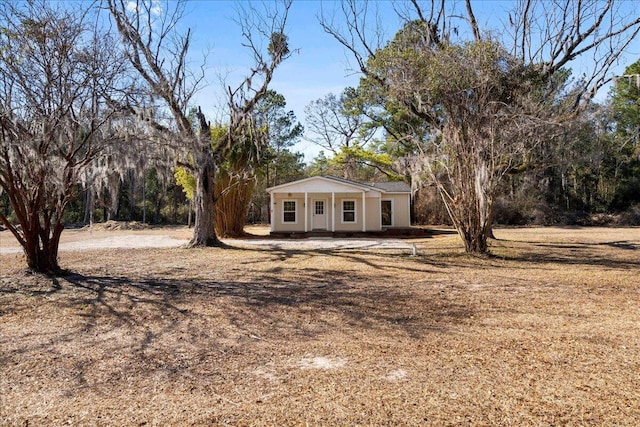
386 210
319 215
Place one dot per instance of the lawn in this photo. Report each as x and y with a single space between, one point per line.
546 331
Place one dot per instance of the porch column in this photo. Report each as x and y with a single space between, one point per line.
364 212
305 212
333 212
273 211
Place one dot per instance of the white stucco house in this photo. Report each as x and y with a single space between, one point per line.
328 203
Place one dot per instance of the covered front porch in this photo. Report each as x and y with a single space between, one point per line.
324 204
332 205
326 211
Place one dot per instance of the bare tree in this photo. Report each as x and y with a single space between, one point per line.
487 98
59 74
158 52
334 124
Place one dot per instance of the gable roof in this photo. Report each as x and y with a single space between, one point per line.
325 180
392 186
347 182
383 187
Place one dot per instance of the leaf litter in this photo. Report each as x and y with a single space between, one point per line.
546 331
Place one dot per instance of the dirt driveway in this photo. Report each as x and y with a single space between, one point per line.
322 243
85 240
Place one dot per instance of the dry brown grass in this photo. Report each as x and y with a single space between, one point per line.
545 332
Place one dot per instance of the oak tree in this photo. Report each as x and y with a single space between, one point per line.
159 53
61 82
486 95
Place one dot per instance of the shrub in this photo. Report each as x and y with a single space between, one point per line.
630 217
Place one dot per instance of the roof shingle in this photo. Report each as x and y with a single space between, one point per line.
389 187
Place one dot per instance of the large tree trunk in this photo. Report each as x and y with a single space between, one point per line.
204 198
39 229
157 214
113 199
88 207
472 230
471 209
41 248
474 236
204 232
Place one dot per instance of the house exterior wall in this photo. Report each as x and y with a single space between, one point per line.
373 214
334 213
278 213
334 195
400 209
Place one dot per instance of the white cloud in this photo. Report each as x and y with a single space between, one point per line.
132 6
154 6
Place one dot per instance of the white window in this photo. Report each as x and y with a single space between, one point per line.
289 211
348 211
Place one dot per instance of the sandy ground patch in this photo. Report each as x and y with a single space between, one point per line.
87 240
320 243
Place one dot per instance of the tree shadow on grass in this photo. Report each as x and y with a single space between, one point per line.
615 255
454 258
310 302
361 256
105 329
351 298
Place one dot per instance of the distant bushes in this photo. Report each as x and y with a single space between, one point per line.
510 213
529 210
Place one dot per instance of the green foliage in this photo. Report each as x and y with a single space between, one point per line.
321 165
625 99
438 82
185 180
625 102
367 158
281 131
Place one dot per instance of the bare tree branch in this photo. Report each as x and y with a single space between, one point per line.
486 102
473 22
159 53
57 118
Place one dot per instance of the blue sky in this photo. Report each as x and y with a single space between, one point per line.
318 66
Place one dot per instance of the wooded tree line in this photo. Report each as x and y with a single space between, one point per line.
488 125
588 173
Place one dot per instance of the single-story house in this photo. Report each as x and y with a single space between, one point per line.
334 204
